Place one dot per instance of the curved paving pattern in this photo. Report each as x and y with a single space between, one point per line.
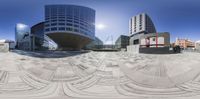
99 75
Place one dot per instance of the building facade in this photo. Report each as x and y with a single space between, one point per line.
155 40
37 36
22 37
122 42
70 26
184 43
144 38
141 23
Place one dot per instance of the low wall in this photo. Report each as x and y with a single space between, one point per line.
4 47
133 48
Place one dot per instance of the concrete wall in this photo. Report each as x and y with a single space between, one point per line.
4 47
133 48
197 46
135 37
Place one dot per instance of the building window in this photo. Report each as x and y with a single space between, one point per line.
53 17
75 30
136 41
61 28
154 39
61 20
53 20
47 29
69 29
53 24
61 23
53 29
68 24
76 26
69 20
76 22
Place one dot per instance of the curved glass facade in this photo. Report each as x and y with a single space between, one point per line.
70 19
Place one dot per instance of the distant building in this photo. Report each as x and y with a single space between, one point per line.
96 44
185 43
22 37
122 42
6 45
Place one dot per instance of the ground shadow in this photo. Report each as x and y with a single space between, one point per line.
49 54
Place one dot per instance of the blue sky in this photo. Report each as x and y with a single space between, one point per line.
179 17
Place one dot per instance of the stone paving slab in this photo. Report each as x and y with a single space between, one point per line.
99 75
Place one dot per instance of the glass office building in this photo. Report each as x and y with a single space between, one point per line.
22 37
96 44
122 42
70 26
39 41
37 37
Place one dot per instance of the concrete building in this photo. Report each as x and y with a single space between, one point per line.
122 42
70 26
6 45
151 42
141 23
22 37
144 38
185 43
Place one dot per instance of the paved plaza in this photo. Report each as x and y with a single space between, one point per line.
99 75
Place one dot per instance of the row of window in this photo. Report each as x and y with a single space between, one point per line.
61 28
70 12
69 16
68 29
68 24
71 22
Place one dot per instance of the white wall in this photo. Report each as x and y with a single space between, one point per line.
197 46
4 47
133 49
